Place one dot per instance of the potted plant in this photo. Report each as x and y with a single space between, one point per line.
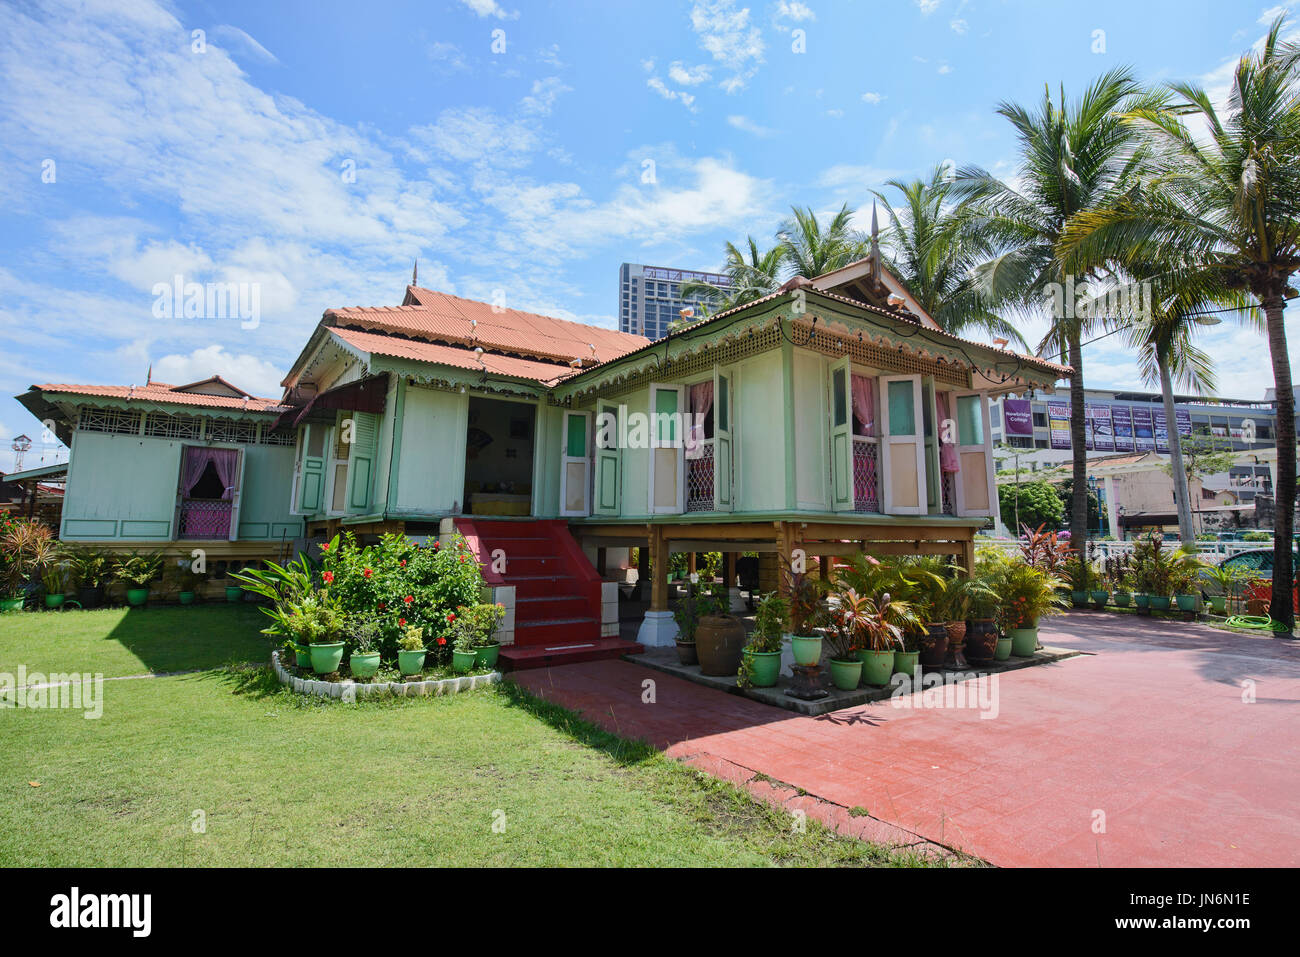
1027 593
90 571
807 611
26 548
844 638
1119 578
906 654
1098 590
285 585
720 636
478 625
320 624
189 581
411 652
1226 580
982 606
135 572
924 589
687 616
884 622
760 662
463 650
1184 573
54 579
363 661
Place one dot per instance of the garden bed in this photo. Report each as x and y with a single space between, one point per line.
304 682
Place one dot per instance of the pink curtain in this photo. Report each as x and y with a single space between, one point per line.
864 403
196 460
948 461
225 461
701 403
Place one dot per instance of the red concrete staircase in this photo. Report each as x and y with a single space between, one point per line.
557 592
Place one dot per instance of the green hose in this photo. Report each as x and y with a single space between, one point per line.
1255 623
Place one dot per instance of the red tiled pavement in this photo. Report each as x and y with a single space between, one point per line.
1149 728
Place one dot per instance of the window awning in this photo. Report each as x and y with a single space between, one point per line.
364 395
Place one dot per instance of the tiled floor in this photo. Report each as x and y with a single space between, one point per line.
1143 752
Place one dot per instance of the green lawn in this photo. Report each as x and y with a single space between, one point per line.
286 780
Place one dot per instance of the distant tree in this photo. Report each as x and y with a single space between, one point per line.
1039 504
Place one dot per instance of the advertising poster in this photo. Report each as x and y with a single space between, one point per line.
1017 416
1058 422
1100 428
1144 436
1161 429
1122 424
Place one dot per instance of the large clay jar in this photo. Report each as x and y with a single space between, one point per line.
981 640
719 643
934 646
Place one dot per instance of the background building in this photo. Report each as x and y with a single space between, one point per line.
649 297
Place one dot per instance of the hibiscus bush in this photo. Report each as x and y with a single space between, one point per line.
403 584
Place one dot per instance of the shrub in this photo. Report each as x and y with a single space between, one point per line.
402 584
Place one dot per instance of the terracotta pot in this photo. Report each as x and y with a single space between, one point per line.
933 646
686 653
956 632
719 643
981 640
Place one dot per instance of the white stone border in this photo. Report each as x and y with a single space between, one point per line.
363 689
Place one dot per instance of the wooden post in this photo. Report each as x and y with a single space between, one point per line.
600 562
729 568
967 560
785 544
659 556
690 563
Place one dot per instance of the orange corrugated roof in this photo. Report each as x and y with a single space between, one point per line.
162 392
439 315
456 356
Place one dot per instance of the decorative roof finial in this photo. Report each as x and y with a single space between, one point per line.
415 273
148 376
875 246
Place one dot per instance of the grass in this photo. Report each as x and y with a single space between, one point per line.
279 779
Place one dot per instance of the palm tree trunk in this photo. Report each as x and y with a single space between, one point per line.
1078 446
1281 608
1182 495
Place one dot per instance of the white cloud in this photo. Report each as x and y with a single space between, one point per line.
835 114
873 98
794 10
684 75
245 371
944 69
478 134
237 41
928 7
958 25
544 94
490 8
660 87
730 38
447 55
749 126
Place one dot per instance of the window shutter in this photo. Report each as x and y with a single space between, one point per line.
361 461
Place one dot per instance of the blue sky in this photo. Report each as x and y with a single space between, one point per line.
506 145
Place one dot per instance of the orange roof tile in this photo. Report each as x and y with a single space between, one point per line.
456 356
162 392
439 315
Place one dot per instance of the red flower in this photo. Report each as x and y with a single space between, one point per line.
462 558
408 599
325 547
442 641
367 573
329 577
382 606
451 616
401 621
403 562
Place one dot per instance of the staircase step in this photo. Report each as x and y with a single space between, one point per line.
520 658
518 547
543 607
556 631
533 565
540 586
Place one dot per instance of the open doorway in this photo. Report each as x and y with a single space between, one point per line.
499 444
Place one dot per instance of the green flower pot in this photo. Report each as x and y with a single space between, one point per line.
877 666
807 649
1023 641
764 666
137 596
186 597
1099 599
412 662
1219 604
1003 651
1079 598
905 662
301 655
11 604
53 601
486 657
1159 602
1186 602
326 657
461 661
363 664
1123 598
845 675
234 593
1142 600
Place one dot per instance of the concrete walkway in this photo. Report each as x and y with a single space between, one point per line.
1167 744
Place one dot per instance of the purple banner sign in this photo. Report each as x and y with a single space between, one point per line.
1144 435
1018 417
1058 421
1100 429
1122 421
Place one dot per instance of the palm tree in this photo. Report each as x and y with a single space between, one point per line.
1074 156
750 278
811 250
1228 203
932 248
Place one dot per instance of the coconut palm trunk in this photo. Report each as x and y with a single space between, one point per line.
1079 447
1282 610
1182 494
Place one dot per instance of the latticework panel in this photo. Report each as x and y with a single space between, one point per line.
160 425
232 430
117 421
869 354
949 493
866 476
699 481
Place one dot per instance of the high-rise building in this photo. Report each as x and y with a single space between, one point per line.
649 297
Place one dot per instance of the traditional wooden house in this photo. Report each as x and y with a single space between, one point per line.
832 415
